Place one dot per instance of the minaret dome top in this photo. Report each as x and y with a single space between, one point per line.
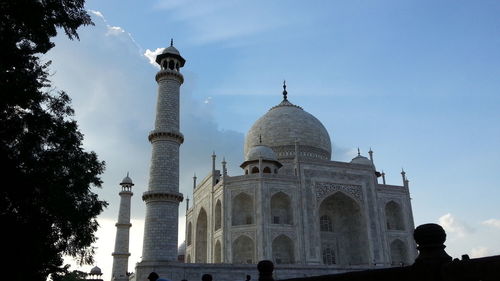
171 52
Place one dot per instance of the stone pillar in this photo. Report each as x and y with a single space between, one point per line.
121 252
163 197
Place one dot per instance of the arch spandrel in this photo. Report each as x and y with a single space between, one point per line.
326 189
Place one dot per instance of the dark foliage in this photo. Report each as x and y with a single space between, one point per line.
46 203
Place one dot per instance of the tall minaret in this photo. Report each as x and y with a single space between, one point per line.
121 253
163 197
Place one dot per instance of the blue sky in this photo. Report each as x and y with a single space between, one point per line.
417 81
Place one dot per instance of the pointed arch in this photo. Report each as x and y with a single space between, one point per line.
266 170
218 215
255 170
189 233
283 250
399 252
217 252
201 237
394 216
281 209
243 249
347 243
242 209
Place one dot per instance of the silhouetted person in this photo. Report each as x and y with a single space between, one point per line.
153 276
206 277
248 278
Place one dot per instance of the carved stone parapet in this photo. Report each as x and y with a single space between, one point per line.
162 135
168 73
156 195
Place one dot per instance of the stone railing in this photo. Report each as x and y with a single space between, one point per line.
432 264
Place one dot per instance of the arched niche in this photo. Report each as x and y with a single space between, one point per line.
281 209
348 240
283 250
394 216
255 170
217 252
266 170
242 209
189 234
201 237
399 252
218 215
243 250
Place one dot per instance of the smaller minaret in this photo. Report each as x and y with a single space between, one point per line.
383 177
371 154
403 175
194 181
213 168
224 168
121 253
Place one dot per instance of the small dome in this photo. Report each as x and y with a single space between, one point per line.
182 249
95 271
171 50
361 160
127 180
260 151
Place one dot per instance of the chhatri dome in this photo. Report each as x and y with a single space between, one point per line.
284 125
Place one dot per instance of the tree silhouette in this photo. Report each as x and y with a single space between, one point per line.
47 207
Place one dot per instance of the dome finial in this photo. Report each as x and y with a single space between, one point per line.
171 41
284 90
359 153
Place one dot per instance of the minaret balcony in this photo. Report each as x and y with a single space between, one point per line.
163 135
169 73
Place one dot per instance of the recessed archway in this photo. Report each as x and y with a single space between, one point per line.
281 209
399 254
283 250
242 209
394 216
348 239
243 250
218 215
217 252
201 237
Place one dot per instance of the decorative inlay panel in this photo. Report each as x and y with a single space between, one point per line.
323 189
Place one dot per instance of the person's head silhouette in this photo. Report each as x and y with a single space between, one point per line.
206 277
153 276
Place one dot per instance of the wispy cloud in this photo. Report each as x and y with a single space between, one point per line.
452 225
492 222
222 20
478 252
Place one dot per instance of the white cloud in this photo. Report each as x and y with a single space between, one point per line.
114 30
113 91
97 13
208 100
151 56
479 252
454 226
492 222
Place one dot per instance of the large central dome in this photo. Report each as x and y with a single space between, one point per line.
285 124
